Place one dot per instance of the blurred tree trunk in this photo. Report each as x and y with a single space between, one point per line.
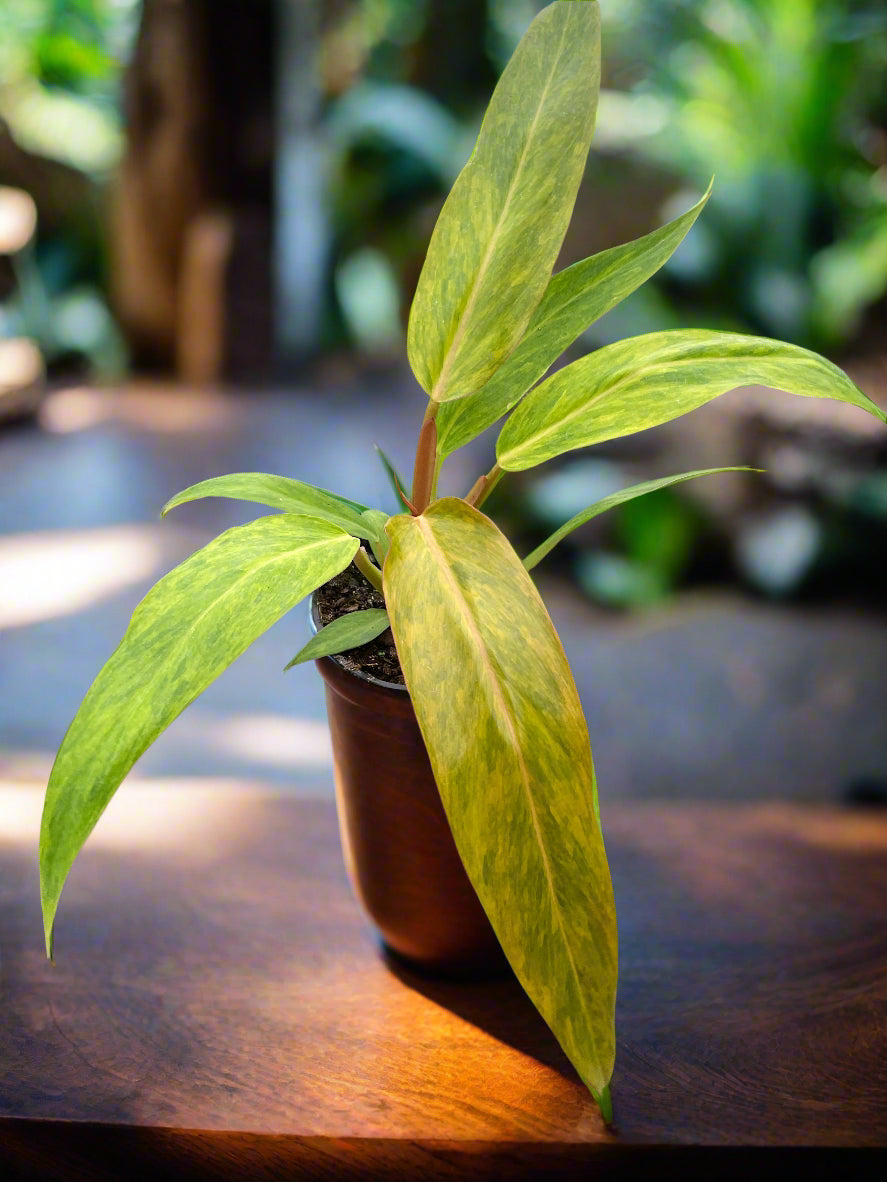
451 60
191 229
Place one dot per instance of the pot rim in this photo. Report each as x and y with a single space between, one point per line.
315 625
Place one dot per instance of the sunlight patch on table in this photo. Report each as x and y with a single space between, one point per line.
59 573
198 817
168 409
273 739
21 764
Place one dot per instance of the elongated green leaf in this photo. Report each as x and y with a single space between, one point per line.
501 719
573 300
610 502
500 230
278 492
647 380
342 634
186 630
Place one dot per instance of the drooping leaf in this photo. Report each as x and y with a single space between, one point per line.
500 230
500 716
610 502
277 492
651 379
574 299
183 634
342 634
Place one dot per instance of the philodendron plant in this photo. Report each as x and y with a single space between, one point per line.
491 688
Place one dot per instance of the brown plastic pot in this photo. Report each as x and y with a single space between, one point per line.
396 839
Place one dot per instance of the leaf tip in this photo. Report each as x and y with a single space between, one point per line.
605 1103
49 930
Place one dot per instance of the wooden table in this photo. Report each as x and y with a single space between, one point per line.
219 1008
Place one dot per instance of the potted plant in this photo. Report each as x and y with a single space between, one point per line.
486 675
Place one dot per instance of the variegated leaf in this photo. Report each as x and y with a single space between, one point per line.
500 230
500 716
183 634
574 299
342 634
647 380
278 492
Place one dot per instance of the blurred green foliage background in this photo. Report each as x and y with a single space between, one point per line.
61 127
784 102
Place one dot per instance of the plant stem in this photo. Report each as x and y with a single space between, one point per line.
476 489
367 568
487 484
430 415
426 462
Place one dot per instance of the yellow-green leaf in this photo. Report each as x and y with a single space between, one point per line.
500 230
651 379
611 502
342 634
500 716
573 300
183 634
277 492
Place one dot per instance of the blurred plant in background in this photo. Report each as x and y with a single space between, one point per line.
785 102
637 557
60 138
406 84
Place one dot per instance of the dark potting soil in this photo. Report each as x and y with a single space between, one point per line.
351 592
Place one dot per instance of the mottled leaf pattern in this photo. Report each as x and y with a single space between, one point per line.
573 300
611 502
501 719
342 634
277 492
183 634
647 380
500 230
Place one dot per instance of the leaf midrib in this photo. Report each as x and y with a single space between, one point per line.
464 319
507 716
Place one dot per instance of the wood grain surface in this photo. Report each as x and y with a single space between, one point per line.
213 973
